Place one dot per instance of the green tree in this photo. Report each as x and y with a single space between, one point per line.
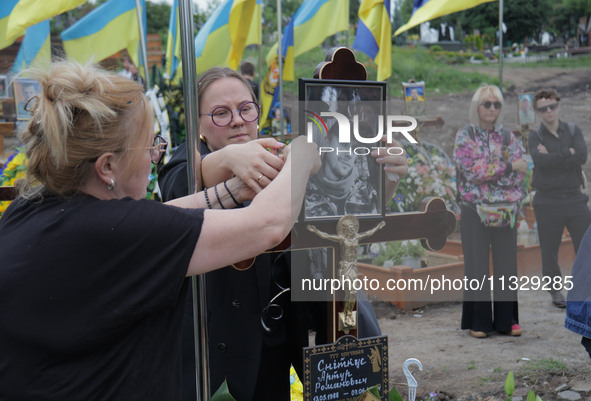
288 9
157 17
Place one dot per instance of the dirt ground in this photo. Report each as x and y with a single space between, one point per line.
456 365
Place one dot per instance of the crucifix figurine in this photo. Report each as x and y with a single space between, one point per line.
347 237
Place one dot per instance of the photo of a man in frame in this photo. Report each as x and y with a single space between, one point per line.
347 183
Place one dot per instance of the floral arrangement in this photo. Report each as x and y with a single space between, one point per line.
430 173
14 169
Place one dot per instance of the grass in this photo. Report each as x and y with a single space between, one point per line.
416 63
542 366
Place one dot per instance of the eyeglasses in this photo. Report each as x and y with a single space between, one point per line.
222 115
487 105
157 150
544 109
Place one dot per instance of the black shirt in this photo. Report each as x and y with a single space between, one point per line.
558 171
92 296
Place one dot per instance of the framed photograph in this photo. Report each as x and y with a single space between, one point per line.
24 89
3 87
414 98
349 181
526 114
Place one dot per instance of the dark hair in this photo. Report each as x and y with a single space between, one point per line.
247 68
545 94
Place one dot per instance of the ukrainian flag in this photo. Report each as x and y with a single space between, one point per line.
426 10
30 12
104 31
222 39
35 48
5 12
374 35
173 44
269 96
314 21
255 32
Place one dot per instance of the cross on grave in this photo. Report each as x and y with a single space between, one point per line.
432 224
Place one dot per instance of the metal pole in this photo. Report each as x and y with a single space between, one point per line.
194 175
260 80
280 60
144 47
501 45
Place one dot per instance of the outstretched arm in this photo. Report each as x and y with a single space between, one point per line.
371 232
227 235
323 235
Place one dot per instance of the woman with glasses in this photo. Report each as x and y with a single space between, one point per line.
247 348
490 173
558 150
93 276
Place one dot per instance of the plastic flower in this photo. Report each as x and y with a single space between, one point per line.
430 173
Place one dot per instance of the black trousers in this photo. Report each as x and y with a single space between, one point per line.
551 220
484 308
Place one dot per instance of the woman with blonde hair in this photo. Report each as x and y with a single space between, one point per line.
92 281
490 172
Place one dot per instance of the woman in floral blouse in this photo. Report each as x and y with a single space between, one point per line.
490 171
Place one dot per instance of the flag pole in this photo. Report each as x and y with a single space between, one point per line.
144 47
280 60
501 45
260 79
194 176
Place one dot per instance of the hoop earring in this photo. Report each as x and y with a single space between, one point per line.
111 185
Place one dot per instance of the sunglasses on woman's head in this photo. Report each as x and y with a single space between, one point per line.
544 109
487 105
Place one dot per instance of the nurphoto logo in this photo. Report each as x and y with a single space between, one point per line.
363 136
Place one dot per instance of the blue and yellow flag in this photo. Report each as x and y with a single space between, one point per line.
269 96
30 12
255 31
374 35
426 10
222 39
173 44
35 48
314 21
111 27
5 11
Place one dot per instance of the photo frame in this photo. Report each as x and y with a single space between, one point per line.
350 181
3 87
526 114
24 89
414 98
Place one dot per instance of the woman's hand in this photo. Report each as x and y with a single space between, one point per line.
393 158
256 163
520 166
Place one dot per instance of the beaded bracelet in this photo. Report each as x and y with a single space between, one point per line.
215 189
207 199
230 193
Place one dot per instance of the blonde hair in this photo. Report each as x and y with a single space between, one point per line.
81 113
482 93
216 73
